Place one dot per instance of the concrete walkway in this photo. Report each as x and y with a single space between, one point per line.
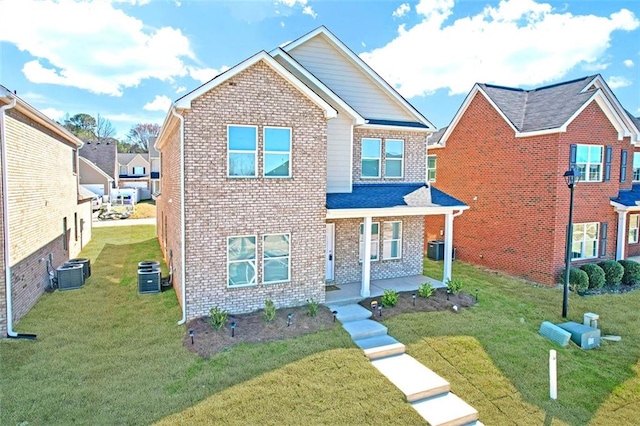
428 393
123 222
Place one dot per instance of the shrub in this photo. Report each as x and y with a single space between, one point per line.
312 307
269 311
578 279
631 274
613 272
454 286
217 317
595 274
426 290
389 298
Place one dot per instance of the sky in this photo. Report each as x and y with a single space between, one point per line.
127 60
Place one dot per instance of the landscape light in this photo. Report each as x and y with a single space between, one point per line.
233 329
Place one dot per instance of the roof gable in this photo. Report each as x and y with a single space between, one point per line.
95 167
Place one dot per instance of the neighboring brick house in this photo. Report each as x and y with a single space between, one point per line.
134 170
505 154
292 169
44 222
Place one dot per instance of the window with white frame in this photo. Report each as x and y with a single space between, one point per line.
633 228
371 158
375 241
242 150
277 152
393 158
584 240
137 170
123 170
636 166
392 240
241 261
276 258
589 162
431 168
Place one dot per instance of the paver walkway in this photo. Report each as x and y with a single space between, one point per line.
428 393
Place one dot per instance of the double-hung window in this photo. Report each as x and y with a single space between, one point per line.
371 158
636 166
392 240
242 149
584 240
276 258
375 241
277 152
241 261
431 168
633 228
589 162
393 158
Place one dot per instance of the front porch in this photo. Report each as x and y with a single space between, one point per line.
350 292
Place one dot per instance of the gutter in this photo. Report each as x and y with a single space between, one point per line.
183 225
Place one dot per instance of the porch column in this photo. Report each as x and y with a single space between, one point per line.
365 291
622 230
448 246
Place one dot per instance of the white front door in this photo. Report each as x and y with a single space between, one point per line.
329 255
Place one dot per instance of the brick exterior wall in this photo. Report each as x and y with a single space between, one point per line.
348 269
414 154
218 207
3 265
518 199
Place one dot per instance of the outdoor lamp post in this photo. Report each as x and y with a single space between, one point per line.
571 177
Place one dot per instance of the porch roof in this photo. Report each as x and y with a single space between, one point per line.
387 195
628 197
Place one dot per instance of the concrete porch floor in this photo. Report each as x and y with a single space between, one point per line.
350 292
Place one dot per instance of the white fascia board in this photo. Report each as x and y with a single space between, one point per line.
185 101
357 118
363 65
400 128
96 168
169 122
622 208
630 125
392 211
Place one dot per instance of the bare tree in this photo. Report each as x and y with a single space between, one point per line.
139 135
104 129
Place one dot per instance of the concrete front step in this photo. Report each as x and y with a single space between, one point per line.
412 378
380 347
446 410
351 312
364 329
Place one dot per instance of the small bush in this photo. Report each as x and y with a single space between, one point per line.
312 307
631 274
389 298
613 272
269 311
454 286
426 290
578 279
217 317
595 274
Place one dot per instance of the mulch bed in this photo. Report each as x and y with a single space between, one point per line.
620 289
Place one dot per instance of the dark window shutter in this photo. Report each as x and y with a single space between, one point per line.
603 239
573 150
623 166
607 164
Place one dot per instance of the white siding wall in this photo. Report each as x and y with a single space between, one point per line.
347 81
339 137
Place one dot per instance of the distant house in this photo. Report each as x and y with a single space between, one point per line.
154 161
104 156
505 153
134 170
46 217
294 169
94 178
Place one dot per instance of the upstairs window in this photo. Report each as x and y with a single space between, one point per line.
138 170
123 170
589 162
431 168
242 142
584 240
371 158
636 166
277 152
393 158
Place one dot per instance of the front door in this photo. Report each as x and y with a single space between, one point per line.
329 255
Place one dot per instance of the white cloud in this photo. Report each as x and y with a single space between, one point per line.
159 103
401 10
52 113
92 45
616 82
628 63
517 42
307 10
205 74
181 89
595 66
293 4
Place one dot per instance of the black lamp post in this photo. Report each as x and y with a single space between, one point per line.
571 177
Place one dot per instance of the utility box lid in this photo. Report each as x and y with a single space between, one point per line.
582 335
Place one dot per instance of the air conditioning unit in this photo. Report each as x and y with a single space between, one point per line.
70 276
148 280
86 265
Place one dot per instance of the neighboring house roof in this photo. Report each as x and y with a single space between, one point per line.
126 158
628 197
385 195
434 138
95 167
102 154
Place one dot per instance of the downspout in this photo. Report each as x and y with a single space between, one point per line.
183 255
5 208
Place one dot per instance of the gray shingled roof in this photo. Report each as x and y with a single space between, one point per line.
102 155
436 136
543 108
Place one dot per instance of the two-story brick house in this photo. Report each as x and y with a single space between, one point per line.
291 169
43 222
505 153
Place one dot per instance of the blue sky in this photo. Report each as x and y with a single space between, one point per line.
128 59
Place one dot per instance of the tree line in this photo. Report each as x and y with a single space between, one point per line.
99 129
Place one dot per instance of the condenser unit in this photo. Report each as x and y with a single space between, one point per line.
148 280
70 276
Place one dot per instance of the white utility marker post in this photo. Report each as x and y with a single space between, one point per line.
553 375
